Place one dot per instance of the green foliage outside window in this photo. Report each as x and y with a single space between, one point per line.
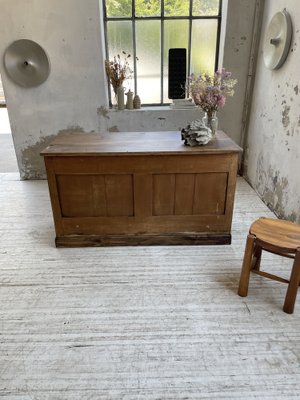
150 8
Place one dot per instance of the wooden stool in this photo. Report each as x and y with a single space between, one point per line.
278 237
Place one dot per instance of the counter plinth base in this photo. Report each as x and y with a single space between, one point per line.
143 240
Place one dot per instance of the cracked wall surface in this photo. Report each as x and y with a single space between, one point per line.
272 161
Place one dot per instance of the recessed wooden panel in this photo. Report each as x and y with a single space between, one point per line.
210 193
82 195
99 199
119 195
95 195
184 194
142 195
163 194
189 194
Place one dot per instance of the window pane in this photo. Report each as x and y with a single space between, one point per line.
119 36
147 8
176 35
148 64
175 8
205 7
152 61
119 8
203 51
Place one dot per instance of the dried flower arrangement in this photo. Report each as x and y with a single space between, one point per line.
118 70
209 92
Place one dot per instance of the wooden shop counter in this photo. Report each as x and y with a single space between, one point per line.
142 188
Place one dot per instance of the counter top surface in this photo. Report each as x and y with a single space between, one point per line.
134 143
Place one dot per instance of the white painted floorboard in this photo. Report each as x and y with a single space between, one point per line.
138 322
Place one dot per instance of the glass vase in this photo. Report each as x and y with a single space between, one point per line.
210 120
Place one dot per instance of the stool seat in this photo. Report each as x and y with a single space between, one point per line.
279 233
279 237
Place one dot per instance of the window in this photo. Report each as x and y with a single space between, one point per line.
147 29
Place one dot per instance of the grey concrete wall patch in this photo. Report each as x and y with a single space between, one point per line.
103 111
33 166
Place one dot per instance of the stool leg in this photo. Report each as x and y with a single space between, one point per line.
246 268
256 257
291 293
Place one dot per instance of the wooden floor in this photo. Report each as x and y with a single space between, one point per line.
137 322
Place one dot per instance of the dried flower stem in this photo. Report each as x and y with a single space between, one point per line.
118 70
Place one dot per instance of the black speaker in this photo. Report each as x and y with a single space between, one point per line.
177 73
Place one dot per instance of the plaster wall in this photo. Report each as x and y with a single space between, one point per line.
273 144
75 94
70 33
236 57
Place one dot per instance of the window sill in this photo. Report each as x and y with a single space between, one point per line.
155 108
145 119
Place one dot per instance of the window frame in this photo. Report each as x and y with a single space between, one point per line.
161 18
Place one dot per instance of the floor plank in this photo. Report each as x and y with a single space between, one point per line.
137 322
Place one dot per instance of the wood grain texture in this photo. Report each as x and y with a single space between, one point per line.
184 194
119 195
172 239
163 194
284 235
75 202
210 193
118 143
138 323
118 188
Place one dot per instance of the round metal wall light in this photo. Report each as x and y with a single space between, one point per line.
278 40
26 63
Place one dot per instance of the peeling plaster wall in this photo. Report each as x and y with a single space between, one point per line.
75 94
273 145
70 33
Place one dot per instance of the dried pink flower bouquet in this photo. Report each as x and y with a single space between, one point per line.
209 92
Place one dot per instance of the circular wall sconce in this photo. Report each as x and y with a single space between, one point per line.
278 40
26 63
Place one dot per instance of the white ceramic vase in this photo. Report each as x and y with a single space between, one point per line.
120 97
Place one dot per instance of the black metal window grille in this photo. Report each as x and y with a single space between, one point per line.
163 19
